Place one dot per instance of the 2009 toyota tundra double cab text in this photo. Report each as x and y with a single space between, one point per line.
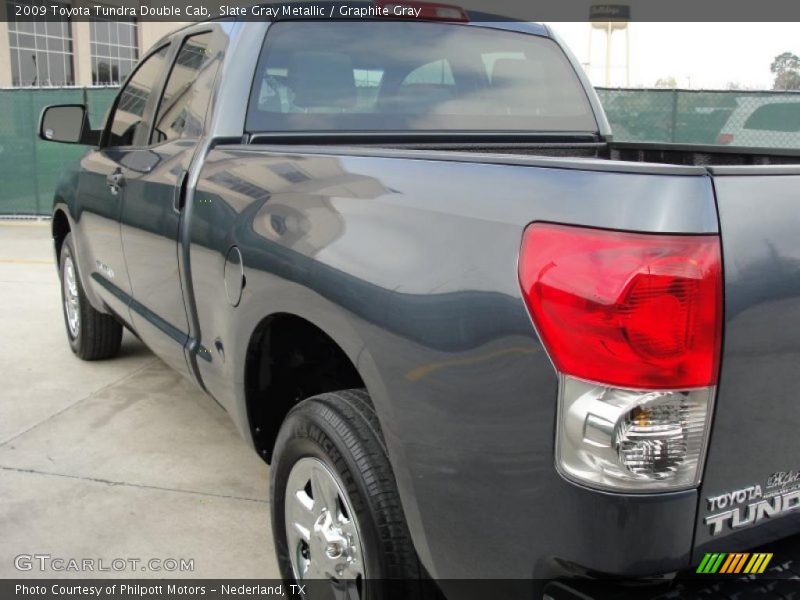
473 335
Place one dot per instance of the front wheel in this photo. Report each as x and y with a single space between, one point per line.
92 335
336 514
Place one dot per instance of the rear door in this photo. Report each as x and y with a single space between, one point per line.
153 205
750 493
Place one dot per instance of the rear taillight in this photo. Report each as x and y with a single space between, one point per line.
725 139
628 309
633 322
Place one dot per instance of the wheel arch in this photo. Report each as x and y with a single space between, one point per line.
339 328
63 223
288 358
60 227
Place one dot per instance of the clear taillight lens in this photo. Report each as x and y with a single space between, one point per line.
633 324
632 440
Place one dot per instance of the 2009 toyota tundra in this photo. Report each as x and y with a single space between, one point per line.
472 334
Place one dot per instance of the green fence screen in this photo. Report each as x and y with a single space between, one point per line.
30 168
738 118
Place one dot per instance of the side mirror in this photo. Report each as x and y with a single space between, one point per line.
67 123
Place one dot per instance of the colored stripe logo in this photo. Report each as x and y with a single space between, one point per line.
734 562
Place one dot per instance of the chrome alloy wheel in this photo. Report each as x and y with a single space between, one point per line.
323 536
72 306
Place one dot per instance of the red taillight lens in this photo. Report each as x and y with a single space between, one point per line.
633 310
725 138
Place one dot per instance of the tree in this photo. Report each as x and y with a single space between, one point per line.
786 68
666 82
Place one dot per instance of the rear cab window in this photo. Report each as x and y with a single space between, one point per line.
413 76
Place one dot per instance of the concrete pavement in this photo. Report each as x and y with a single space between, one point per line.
114 459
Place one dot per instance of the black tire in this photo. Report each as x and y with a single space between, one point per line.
342 430
97 336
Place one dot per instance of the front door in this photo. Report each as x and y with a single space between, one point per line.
98 205
101 187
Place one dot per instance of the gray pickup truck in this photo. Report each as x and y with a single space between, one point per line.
473 335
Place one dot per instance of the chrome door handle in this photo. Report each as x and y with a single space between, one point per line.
115 181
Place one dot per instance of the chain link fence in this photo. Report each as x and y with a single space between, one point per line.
735 118
30 168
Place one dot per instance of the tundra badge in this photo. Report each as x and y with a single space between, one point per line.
780 495
105 269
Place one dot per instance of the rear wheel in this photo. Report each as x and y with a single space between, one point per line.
92 335
336 514
321 523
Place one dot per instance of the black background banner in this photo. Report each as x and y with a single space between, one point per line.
774 585
478 10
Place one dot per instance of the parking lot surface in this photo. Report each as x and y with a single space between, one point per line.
120 459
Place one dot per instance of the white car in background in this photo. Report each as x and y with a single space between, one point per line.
764 121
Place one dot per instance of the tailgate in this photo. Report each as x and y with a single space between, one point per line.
750 493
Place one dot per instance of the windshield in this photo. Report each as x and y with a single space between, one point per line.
399 76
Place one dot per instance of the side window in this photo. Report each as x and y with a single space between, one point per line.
187 94
427 88
437 72
368 84
490 60
780 116
276 93
129 112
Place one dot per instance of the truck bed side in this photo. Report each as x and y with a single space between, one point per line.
410 264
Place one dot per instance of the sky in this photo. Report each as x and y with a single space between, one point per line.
697 55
